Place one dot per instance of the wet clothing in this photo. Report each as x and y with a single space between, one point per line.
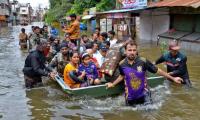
177 65
135 77
31 82
59 61
35 68
143 100
90 70
23 37
68 68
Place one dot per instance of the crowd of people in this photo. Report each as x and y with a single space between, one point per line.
78 59
64 56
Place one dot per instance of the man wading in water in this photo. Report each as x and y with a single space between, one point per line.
133 71
35 68
176 63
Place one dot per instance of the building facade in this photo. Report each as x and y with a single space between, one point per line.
5 11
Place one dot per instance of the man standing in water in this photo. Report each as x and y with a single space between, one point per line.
133 71
23 37
176 63
35 68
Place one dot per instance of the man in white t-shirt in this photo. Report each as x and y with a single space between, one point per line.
95 47
100 56
113 40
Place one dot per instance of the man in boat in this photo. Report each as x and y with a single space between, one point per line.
23 37
61 59
73 30
101 56
35 67
133 71
176 62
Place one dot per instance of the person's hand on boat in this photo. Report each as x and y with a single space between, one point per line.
178 80
109 85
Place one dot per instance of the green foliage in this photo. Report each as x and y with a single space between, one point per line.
60 8
106 5
57 10
80 5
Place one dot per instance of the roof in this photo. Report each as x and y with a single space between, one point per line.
121 10
86 17
176 3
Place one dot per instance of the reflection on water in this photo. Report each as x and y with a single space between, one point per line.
49 102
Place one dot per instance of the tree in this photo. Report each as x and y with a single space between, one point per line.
58 9
80 5
106 5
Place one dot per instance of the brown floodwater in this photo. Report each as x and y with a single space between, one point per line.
170 102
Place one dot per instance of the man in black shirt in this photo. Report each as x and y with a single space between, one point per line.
35 68
176 63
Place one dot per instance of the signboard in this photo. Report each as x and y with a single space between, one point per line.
118 15
132 3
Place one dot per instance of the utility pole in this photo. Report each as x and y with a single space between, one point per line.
14 12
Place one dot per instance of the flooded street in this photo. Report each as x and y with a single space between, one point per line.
170 102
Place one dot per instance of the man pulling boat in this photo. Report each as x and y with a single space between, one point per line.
176 62
133 71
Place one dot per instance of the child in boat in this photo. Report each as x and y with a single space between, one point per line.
88 71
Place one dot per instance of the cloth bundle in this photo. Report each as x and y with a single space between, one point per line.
112 59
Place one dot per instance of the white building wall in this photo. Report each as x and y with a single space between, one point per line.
153 23
24 11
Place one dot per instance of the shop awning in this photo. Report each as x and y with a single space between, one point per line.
2 17
86 17
176 3
121 10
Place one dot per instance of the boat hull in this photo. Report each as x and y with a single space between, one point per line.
101 90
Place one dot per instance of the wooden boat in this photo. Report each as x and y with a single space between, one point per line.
100 90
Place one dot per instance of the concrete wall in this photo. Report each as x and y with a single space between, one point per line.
153 23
